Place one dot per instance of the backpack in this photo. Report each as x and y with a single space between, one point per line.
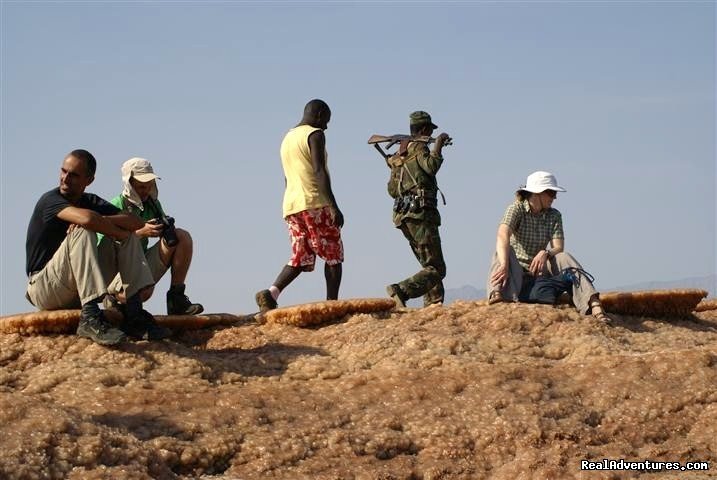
547 290
399 172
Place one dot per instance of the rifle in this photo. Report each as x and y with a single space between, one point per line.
401 139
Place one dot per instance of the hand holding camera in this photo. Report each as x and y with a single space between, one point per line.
168 232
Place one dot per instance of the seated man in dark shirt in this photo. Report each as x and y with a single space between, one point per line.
67 269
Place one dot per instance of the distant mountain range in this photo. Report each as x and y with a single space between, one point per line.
708 283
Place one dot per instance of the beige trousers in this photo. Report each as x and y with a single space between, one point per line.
80 271
154 261
582 290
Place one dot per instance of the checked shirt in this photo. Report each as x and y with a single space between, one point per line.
531 231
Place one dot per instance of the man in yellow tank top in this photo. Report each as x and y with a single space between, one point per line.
310 210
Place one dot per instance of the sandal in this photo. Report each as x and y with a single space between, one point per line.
599 314
495 297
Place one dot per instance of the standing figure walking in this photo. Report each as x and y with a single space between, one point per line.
309 208
414 188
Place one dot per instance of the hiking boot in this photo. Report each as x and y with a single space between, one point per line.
178 303
135 329
156 331
395 292
97 329
145 327
265 301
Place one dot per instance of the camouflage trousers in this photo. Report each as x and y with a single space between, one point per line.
426 245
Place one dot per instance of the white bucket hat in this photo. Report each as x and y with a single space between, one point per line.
540 181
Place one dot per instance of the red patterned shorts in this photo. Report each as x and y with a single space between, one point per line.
312 233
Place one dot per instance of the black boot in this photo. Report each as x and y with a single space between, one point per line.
94 326
140 324
178 303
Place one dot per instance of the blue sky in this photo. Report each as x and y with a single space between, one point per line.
616 98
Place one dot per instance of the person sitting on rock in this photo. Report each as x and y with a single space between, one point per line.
68 268
529 226
174 248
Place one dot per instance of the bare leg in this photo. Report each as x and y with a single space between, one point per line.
332 273
286 276
178 258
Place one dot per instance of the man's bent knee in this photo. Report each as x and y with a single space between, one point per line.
80 234
183 236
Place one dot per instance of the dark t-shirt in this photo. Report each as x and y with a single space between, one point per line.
46 232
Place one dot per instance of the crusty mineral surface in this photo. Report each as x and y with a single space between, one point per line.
465 391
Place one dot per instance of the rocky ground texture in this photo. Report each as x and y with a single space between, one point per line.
465 391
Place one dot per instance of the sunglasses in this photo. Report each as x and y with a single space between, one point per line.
551 193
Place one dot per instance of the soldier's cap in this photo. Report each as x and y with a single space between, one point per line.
421 118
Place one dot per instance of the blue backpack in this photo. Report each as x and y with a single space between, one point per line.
547 290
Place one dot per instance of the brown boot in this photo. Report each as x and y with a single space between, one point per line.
394 291
265 301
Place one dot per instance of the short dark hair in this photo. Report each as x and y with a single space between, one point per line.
316 107
88 158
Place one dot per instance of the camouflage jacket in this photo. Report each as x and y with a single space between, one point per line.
411 173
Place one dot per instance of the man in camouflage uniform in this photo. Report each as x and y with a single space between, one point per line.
414 189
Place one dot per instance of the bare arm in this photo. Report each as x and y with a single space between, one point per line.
149 229
95 222
541 259
502 246
125 221
317 146
558 246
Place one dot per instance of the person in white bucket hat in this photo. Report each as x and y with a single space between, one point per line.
530 244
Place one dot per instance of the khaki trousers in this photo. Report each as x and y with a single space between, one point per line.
582 290
80 271
154 261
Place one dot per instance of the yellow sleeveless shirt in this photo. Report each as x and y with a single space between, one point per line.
302 190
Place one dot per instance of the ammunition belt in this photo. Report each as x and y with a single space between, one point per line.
413 203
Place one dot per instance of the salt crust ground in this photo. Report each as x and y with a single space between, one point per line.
460 392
